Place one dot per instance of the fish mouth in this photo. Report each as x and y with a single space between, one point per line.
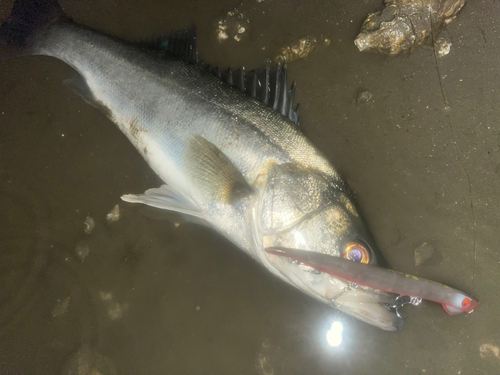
372 306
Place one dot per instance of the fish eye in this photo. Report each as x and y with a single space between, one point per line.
356 252
465 302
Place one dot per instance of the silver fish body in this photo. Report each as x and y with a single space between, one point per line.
224 158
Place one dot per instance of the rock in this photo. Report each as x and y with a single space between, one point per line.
404 24
423 253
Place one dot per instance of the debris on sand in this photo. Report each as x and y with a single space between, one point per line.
486 350
234 26
89 225
364 97
301 48
423 253
442 46
113 215
404 24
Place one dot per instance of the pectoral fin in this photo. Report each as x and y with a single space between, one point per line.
165 198
213 173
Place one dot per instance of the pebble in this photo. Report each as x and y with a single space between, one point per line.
423 253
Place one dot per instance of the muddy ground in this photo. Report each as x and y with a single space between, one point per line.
156 295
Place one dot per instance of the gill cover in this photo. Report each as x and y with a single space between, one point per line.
301 208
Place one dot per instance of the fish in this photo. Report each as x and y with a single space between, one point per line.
226 144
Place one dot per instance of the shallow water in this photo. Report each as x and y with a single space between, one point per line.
157 295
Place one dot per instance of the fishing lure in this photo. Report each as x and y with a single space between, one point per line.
453 301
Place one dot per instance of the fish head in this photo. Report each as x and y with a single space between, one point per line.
300 208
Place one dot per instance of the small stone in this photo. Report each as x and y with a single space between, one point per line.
423 253
89 225
364 97
113 215
198 308
442 46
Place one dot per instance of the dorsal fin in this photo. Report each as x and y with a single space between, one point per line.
180 44
267 85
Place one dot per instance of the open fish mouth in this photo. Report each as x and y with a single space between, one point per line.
374 294
372 306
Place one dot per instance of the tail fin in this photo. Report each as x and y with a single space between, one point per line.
28 17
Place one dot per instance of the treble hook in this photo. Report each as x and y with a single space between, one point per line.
401 300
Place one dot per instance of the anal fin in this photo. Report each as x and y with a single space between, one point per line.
80 87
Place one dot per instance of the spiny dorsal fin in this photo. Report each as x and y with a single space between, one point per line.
267 85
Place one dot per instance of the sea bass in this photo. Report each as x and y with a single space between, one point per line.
230 153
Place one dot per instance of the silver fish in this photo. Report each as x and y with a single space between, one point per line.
225 157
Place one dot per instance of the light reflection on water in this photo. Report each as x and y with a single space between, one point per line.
334 334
